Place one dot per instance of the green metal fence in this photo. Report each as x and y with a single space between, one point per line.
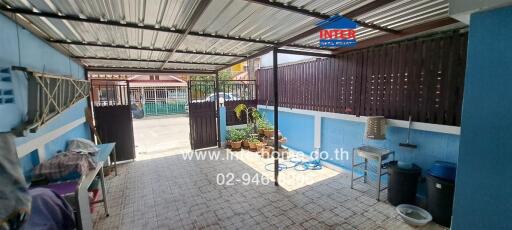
160 101
162 108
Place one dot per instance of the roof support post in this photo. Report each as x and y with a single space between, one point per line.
217 108
276 117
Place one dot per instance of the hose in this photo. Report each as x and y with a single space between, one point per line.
297 164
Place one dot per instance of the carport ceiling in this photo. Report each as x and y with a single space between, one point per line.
203 35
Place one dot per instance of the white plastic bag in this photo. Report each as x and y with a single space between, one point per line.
82 145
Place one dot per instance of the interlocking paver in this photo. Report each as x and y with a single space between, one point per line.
173 193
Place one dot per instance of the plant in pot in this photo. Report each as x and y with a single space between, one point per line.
262 124
253 141
269 131
228 139
252 115
247 135
237 136
260 145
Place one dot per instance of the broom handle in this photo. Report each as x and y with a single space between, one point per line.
409 129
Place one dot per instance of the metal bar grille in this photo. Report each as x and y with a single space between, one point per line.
160 101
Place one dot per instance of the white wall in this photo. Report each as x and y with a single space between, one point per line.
267 59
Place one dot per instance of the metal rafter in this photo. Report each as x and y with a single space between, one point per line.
107 69
198 12
299 52
139 26
404 33
146 60
76 43
351 15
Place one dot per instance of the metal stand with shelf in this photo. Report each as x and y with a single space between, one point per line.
370 153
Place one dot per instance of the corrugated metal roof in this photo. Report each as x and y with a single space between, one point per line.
232 18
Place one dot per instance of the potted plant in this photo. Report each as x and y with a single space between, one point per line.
228 139
259 146
252 115
262 124
247 135
253 141
269 131
237 136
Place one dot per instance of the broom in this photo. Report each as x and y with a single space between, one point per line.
407 144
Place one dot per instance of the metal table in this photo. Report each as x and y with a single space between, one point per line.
84 221
370 153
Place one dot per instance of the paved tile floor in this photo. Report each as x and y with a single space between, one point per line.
156 135
170 192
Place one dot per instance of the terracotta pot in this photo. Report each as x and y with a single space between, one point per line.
228 144
245 144
260 146
236 145
261 131
269 133
282 140
266 152
252 146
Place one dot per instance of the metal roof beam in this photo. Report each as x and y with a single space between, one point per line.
299 52
101 69
404 33
145 60
351 15
140 48
308 32
198 12
137 26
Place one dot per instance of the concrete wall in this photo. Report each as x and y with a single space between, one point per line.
267 59
21 48
345 132
483 186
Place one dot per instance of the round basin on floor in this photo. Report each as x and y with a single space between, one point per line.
413 215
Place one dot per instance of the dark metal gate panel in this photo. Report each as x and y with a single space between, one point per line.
202 114
113 117
203 126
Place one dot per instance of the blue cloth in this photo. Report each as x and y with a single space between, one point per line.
49 211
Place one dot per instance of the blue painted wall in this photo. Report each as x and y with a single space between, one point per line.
346 135
223 126
483 191
298 129
21 48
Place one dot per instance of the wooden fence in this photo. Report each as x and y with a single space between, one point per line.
423 77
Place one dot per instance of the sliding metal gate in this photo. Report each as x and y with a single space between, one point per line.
113 117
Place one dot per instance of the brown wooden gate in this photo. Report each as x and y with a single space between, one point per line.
202 114
113 117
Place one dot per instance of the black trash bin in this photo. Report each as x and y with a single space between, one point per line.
402 183
440 189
